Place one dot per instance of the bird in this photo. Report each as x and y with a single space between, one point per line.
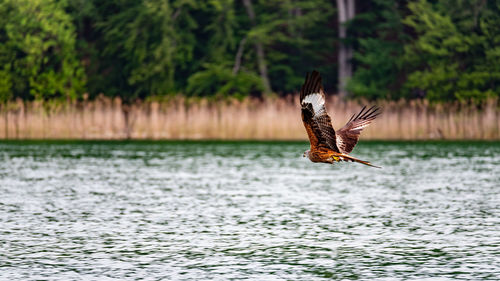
328 146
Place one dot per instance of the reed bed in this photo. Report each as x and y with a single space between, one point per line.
268 119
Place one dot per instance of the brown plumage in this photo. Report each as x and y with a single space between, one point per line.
326 146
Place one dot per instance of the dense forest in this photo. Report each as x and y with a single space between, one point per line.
69 49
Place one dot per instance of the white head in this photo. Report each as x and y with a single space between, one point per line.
306 153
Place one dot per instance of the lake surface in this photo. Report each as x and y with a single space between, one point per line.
239 210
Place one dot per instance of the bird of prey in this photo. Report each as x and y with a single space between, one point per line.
328 146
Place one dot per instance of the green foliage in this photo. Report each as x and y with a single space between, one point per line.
298 39
289 31
221 30
379 49
38 50
58 49
220 80
5 86
140 46
455 53
445 50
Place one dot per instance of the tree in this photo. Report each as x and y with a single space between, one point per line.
455 53
259 49
299 38
288 33
380 38
38 52
142 45
221 72
346 12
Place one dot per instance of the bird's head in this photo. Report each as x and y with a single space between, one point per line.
306 153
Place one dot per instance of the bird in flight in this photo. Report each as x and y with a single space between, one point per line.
328 146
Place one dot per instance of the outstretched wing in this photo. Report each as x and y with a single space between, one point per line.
348 136
314 116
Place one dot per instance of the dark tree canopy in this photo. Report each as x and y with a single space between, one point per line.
61 49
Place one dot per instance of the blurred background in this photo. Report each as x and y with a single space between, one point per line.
231 69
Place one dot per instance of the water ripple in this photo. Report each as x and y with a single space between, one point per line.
209 210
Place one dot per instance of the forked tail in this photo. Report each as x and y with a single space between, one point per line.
346 157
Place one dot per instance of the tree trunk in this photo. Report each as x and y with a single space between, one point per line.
346 10
259 49
239 54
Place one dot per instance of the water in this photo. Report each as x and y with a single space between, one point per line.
214 210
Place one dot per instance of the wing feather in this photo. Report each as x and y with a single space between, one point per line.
316 120
347 136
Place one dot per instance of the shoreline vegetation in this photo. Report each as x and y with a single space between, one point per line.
250 119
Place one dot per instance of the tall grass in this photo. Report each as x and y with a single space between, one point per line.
271 118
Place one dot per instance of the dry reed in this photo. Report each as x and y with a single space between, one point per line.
273 118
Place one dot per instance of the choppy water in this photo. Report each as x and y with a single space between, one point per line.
211 210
